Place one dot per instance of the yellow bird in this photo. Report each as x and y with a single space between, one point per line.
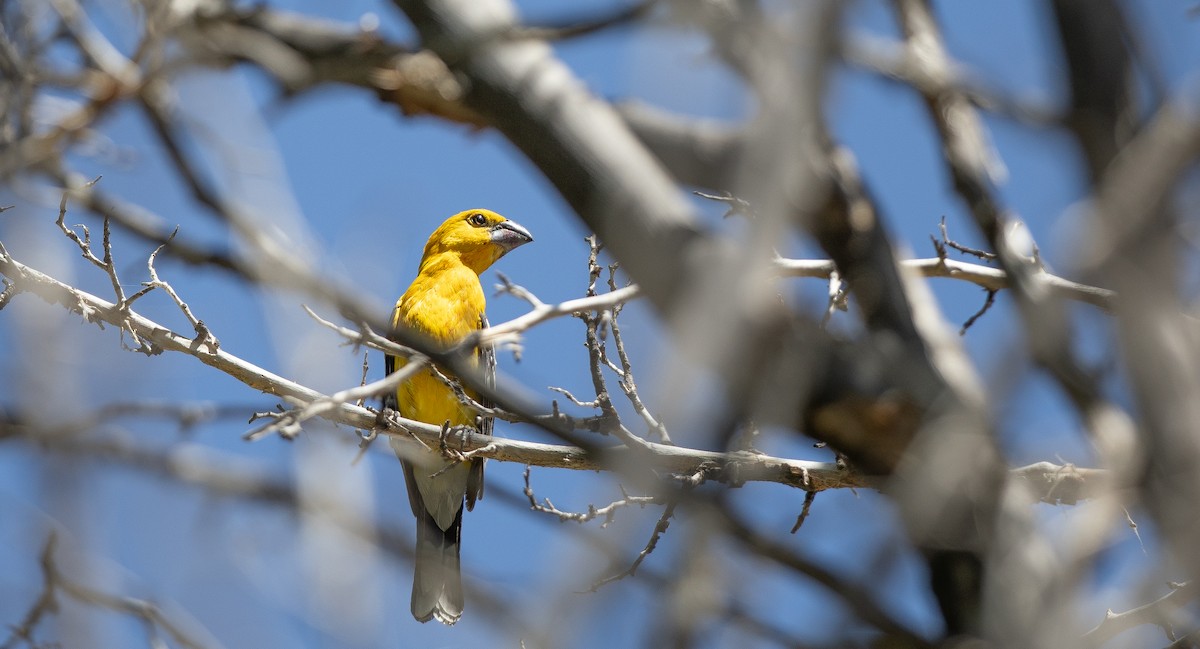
446 303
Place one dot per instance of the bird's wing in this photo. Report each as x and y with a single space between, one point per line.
389 398
486 424
488 363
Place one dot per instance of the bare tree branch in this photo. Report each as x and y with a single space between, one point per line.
1157 612
749 467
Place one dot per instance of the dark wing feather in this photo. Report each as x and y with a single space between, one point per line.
489 377
488 364
389 366
390 401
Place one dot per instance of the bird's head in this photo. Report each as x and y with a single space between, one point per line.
478 237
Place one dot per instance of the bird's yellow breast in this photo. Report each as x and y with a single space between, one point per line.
445 303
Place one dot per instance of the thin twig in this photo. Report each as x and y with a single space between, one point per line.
1134 527
287 424
366 367
204 337
808 501
984 276
1156 612
592 303
85 243
626 382
471 402
595 342
987 304
660 528
593 512
975 252
506 286
364 335
735 206
594 403
106 264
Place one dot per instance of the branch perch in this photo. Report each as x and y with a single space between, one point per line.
1045 478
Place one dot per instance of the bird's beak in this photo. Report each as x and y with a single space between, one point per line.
509 235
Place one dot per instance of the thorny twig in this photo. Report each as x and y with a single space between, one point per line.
287 424
987 305
508 332
594 340
687 482
363 336
941 266
507 286
204 337
660 528
85 243
946 240
105 264
471 402
607 512
595 324
626 381
808 501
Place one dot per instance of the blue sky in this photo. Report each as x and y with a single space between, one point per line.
362 188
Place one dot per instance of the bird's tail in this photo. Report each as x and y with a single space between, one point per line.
437 581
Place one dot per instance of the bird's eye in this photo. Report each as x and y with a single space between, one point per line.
477 219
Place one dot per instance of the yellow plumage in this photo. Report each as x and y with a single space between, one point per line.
446 303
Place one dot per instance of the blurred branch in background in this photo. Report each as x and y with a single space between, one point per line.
899 404
56 586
